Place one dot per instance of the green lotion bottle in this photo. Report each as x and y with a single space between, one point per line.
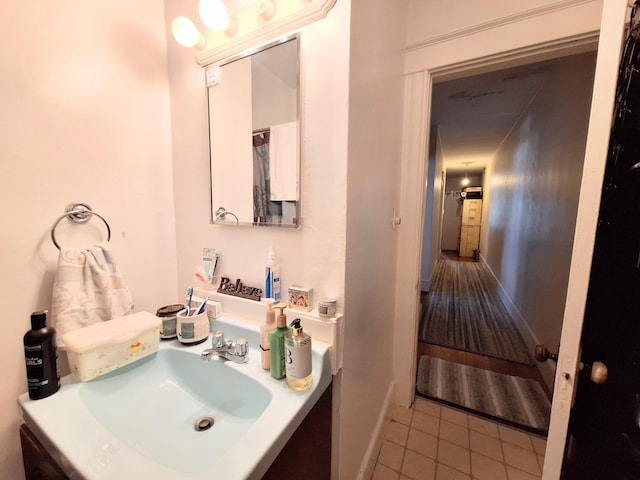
276 343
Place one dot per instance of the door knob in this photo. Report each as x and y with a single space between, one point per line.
598 371
542 354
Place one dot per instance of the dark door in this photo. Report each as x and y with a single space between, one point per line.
604 428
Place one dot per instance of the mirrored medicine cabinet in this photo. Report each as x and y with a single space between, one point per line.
254 137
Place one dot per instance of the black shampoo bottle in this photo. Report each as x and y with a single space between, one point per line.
40 355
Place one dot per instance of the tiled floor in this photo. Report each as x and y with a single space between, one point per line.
434 442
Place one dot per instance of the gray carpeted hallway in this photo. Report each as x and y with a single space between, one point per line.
463 311
471 354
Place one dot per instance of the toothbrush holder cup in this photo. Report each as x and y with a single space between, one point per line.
192 329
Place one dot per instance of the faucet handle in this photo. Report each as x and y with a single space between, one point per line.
242 346
218 339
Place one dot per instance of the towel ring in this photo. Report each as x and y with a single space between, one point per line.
221 214
77 212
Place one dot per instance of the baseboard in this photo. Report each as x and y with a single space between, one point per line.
547 369
371 455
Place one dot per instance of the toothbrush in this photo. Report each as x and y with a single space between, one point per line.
190 293
216 257
203 306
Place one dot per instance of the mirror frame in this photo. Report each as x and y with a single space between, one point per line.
219 211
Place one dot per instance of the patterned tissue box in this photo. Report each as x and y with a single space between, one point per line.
300 298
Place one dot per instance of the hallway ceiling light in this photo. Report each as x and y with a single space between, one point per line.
465 180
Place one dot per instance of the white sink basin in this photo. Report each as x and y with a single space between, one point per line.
140 421
170 393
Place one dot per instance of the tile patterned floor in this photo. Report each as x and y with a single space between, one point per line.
434 442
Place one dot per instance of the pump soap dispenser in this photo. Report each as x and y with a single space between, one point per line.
266 328
276 343
298 357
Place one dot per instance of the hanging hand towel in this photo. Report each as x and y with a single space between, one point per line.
88 288
283 161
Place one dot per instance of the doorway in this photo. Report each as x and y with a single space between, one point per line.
420 75
532 164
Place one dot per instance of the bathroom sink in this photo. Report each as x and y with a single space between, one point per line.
172 415
205 405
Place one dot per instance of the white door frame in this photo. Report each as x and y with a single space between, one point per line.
416 124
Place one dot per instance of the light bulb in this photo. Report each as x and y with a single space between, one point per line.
465 180
266 9
214 14
186 33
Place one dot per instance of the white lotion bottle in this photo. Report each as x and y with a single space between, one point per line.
297 345
266 328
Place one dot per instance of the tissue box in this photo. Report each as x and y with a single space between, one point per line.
105 346
300 298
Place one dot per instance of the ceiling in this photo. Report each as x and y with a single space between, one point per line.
474 114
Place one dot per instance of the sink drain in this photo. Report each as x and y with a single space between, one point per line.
203 423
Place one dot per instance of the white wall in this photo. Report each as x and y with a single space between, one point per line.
468 31
427 267
428 19
85 109
433 219
375 114
534 185
274 93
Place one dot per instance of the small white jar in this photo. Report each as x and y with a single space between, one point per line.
327 307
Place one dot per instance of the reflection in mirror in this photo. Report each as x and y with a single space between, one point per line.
254 137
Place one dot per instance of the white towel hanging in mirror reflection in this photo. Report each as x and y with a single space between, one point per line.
283 161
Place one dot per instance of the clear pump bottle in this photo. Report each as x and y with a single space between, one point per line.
298 357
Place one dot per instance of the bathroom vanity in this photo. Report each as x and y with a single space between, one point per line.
172 415
311 441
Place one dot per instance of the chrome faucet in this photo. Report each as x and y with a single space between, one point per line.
237 352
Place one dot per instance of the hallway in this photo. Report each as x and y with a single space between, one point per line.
434 442
470 353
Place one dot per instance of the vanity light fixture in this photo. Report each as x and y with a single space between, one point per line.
234 27
214 14
266 9
218 16
186 33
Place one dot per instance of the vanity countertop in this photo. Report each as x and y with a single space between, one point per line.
125 425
